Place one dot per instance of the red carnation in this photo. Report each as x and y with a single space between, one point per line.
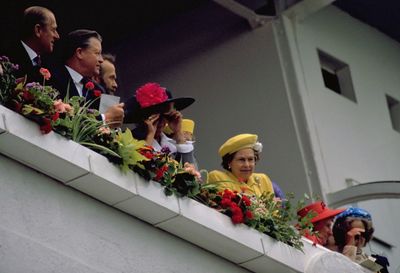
237 218
97 93
45 127
225 202
246 200
151 94
148 154
249 214
55 116
160 172
27 96
227 194
89 85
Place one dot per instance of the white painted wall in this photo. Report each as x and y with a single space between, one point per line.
46 227
356 139
351 140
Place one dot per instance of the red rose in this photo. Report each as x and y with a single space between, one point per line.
150 94
89 85
97 93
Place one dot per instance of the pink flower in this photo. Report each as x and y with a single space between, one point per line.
104 130
45 73
89 85
151 94
61 107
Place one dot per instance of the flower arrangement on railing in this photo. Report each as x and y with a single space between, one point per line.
161 167
264 213
73 119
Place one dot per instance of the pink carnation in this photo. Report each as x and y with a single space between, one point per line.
45 73
62 107
151 94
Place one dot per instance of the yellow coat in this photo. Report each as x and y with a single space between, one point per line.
258 183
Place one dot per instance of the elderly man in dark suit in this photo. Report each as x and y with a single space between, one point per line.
81 57
38 35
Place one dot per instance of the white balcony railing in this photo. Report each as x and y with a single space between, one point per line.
91 173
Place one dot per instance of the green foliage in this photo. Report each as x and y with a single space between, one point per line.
7 78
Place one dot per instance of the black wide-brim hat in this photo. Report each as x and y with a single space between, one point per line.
134 113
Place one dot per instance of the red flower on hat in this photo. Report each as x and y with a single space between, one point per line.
151 94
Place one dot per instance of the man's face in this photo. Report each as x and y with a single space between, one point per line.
48 35
90 58
109 77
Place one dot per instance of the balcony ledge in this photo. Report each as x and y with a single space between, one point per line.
91 173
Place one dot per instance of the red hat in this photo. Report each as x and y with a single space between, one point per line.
322 211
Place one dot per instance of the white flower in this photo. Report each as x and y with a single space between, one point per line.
258 147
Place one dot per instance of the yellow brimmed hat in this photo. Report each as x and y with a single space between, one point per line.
240 142
187 125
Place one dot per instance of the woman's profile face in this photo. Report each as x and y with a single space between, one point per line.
243 164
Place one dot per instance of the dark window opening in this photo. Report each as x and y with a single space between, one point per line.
336 75
394 112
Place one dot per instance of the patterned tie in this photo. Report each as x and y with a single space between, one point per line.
38 61
84 81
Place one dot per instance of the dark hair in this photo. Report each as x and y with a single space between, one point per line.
106 57
32 16
77 39
343 225
227 159
109 57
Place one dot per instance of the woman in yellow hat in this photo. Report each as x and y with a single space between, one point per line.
239 157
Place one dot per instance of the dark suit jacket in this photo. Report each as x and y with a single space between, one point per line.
18 55
62 81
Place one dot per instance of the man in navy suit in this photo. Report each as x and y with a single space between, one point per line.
81 58
37 37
